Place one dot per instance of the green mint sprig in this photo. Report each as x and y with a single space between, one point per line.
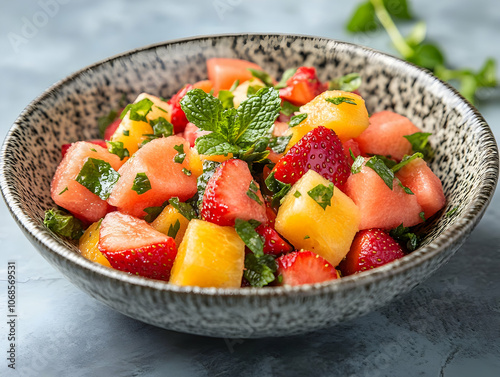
98 176
63 224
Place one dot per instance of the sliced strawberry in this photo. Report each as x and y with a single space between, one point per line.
319 150
270 213
370 248
132 245
65 147
228 195
179 119
305 267
192 132
110 130
302 87
351 146
273 243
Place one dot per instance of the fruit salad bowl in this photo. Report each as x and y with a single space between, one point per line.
465 159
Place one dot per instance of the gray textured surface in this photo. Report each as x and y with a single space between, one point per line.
448 326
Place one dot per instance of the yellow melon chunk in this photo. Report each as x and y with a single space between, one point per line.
328 232
167 219
240 93
209 256
88 245
346 119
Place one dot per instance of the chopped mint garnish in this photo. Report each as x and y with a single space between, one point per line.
451 211
306 237
116 147
278 188
227 98
63 224
153 212
126 132
381 169
233 130
262 76
141 183
174 229
406 189
98 176
187 172
104 121
297 119
339 100
422 216
162 127
322 195
93 150
288 109
185 209
279 143
139 110
181 155
209 168
249 236
347 83
406 160
405 237
259 271
257 152
63 191
162 109
357 165
234 86
287 75
252 192
420 143
297 194
387 161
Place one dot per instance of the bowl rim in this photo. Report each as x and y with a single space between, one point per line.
450 238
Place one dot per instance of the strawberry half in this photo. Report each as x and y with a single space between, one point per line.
178 118
132 245
370 248
302 87
305 267
229 195
273 243
320 150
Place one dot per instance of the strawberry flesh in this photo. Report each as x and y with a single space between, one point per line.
305 267
370 248
320 150
132 245
302 87
273 243
178 118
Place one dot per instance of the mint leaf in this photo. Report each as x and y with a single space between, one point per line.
387 161
139 110
226 97
405 161
357 165
64 190
116 147
262 76
422 216
405 237
202 109
297 119
287 75
347 83
98 176
406 189
297 194
451 211
252 192
486 77
288 109
378 165
185 209
363 19
187 172
63 224
173 229
322 195
257 152
236 83
141 183
215 144
104 121
278 188
154 212
209 168
181 155
126 132
279 143
259 271
162 127
420 143
427 55
339 100
249 236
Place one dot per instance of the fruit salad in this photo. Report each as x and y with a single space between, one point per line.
241 180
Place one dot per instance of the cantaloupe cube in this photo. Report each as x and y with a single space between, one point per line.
346 119
209 256
168 218
88 245
327 232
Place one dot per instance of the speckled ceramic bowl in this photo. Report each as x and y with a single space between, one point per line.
466 160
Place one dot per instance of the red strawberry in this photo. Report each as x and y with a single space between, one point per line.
132 245
65 147
320 150
305 267
302 87
227 196
179 119
370 248
110 130
273 243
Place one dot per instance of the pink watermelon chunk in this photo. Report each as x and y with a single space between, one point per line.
166 177
384 135
426 186
380 206
71 195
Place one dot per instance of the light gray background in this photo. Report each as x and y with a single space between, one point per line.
449 326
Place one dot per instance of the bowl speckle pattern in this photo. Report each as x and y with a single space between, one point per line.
466 161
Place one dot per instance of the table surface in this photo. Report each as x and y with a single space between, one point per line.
448 326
